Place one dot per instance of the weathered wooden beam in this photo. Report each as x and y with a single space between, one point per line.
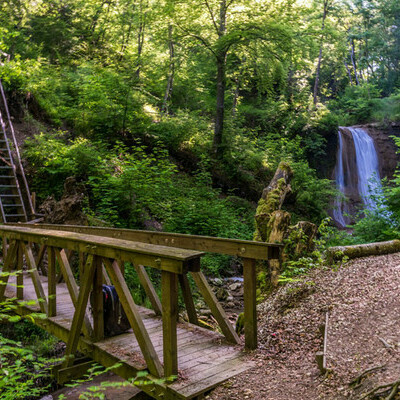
30 260
188 299
161 257
215 307
73 290
51 275
106 278
250 303
75 371
97 299
169 290
40 257
4 246
149 288
9 262
20 273
134 318
80 310
234 247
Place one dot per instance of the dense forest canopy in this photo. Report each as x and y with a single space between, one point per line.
180 111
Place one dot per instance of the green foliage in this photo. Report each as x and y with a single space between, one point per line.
361 104
24 371
300 264
53 160
23 374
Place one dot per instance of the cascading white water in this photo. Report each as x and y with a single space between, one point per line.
366 180
369 182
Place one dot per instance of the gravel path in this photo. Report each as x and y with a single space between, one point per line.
363 302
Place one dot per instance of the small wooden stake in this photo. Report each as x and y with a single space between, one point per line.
319 357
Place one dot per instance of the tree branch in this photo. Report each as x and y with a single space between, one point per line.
212 16
198 37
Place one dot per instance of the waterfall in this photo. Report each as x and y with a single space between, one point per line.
369 182
356 172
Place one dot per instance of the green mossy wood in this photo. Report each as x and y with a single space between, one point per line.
271 200
273 224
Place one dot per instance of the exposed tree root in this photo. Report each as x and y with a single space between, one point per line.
357 380
375 392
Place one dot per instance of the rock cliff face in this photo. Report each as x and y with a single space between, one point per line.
385 147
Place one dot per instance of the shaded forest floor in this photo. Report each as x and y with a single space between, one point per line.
363 301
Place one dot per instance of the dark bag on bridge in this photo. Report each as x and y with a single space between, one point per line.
115 319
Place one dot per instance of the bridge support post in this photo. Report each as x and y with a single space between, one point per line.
169 288
52 281
98 312
250 303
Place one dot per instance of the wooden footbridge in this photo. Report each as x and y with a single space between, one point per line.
37 266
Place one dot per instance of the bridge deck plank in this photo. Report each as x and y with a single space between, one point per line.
204 358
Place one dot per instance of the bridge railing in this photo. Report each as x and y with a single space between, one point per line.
106 250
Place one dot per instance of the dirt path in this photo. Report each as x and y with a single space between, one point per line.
363 301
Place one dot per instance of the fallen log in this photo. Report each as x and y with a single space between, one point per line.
362 250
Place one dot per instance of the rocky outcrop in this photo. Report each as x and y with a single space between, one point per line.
385 147
69 209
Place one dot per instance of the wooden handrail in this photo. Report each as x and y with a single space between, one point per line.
233 247
160 257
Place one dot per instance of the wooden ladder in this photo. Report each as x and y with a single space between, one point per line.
12 204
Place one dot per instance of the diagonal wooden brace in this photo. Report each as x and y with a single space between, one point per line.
72 287
134 318
30 260
80 310
9 262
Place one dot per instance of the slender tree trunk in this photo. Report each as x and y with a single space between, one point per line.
235 96
221 85
317 72
125 41
219 118
140 39
171 71
353 61
348 72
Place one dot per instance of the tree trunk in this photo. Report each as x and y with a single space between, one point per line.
317 72
277 227
353 61
348 72
363 250
235 97
220 111
140 39
271 200
171 71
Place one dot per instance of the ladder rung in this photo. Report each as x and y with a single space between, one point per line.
5 167
7 186
6 176
12 205
14 215
8 195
